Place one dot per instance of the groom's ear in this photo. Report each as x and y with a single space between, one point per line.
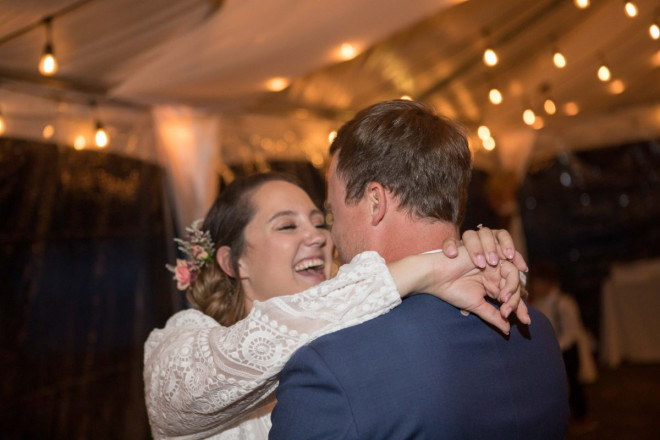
377 202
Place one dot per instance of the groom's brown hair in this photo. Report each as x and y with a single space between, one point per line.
423 158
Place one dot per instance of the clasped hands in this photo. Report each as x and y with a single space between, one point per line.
485 264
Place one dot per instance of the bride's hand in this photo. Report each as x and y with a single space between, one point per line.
489 247
460 283
486 246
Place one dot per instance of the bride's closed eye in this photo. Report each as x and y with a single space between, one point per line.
287 226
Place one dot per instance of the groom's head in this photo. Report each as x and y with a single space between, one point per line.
403 152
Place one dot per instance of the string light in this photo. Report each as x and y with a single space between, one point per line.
48 62
48 131
277 84
604 73
3 126
347 51
490 57
495 96
559 59
483 132
489 143
548 103
101 138
571 108
654 31
332 136
616 87
406 98
539 123
581 4
528 116
80 142
549 106
631 9
101 135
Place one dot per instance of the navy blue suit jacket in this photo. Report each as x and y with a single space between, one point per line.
424 371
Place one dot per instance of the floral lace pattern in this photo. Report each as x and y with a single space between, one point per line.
203 379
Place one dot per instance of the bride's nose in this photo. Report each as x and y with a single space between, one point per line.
315 236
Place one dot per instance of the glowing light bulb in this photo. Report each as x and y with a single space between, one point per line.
406 98
2 125
483 132
48 131
80 142
571 108
495 96
549 106
654 31
559 59
539 123
490 57
347 51
604 73
631 9
332 136
48 63
528 116
616 87
101 136
489 144
277 84
581 4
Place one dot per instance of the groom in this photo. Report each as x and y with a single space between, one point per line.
398 184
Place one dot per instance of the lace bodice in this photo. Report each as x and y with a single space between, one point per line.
202 378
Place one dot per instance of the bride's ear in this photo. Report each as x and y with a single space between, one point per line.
223 257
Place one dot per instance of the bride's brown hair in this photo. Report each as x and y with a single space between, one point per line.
215 292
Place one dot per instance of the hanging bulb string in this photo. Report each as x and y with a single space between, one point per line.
48 21
48 62
34 25
525 23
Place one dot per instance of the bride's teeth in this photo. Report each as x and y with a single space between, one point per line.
307 264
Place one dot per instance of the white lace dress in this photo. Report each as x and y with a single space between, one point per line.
203 380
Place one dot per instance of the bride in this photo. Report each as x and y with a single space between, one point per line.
211 372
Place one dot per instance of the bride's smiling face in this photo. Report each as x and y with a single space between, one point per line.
288 246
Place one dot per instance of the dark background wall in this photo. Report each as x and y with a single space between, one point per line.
588 210
84 237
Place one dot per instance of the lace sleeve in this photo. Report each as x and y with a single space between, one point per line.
200 376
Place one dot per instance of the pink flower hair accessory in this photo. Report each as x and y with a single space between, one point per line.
198 249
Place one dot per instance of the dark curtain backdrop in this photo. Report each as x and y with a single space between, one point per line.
588 210
84 237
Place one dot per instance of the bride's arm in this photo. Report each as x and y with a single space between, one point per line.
201 377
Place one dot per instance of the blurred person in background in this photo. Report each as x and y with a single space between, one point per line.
564 313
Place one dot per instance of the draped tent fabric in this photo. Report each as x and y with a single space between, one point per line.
98 43
247 42
217 54
187 141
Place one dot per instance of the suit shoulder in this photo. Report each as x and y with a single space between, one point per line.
412 315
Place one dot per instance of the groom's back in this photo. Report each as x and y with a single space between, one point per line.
425 371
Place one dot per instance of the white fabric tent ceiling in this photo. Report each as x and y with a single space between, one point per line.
217 55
